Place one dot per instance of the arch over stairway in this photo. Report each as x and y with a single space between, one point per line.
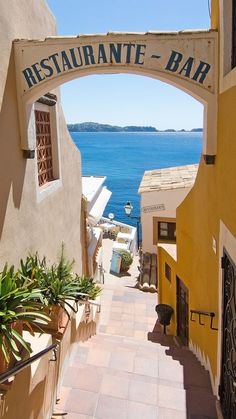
186 60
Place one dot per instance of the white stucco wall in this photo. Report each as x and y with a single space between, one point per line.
27 225
171 199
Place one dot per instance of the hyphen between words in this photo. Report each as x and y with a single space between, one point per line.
120 53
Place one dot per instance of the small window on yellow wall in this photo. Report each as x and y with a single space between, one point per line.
167 272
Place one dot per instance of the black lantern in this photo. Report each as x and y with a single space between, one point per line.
128 210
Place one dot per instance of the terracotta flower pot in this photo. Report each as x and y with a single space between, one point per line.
4 365
59 318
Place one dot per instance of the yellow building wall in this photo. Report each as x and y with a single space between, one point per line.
211 201
166 288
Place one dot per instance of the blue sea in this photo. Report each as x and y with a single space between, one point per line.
123 158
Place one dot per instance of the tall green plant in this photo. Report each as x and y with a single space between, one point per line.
17 304
87 288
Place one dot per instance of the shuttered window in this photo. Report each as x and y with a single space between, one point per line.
166 231
44 147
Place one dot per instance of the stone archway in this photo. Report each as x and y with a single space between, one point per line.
186 60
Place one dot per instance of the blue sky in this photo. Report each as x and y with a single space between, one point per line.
128 99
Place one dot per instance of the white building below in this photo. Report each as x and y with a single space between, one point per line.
96 196
162 191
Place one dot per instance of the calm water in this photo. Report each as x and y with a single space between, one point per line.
123 158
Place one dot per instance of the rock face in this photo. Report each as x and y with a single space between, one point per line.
95 127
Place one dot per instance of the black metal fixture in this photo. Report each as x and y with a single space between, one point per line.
164 313
203 313
28 154
209 159
128 210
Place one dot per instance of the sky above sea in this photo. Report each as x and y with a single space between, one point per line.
124 99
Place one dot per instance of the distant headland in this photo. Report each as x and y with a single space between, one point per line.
96 127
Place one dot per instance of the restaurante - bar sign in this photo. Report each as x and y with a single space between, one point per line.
114 53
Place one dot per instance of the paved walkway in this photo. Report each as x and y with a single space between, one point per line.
120 374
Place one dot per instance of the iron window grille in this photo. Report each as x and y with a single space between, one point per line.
44 147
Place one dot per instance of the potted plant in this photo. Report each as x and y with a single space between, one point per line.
18 306
87 288
126 260
58 286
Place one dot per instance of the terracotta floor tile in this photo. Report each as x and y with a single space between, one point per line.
172 398
110 330
85 379
115 386
138 334
144 378
148 353
140 391
80 401
111 408
123 361
140 411
171 383
145 366
141 326
168 370
77 416
164 413
98 357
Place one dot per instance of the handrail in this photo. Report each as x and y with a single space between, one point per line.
88 301
200 313
22 365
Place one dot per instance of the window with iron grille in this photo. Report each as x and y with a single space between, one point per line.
167 272
166 231
233 33
44 147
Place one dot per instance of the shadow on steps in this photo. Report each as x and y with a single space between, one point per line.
200 401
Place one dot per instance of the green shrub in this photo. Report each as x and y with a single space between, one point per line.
126 260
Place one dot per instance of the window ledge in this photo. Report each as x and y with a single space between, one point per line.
46 190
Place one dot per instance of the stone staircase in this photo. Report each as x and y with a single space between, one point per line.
116 377
130 370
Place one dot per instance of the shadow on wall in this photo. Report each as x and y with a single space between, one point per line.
29 401
12 164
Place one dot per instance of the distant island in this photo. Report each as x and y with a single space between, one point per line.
96 127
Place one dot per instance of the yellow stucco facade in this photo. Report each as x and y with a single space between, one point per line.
206 224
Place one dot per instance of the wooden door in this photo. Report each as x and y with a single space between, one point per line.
182 311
